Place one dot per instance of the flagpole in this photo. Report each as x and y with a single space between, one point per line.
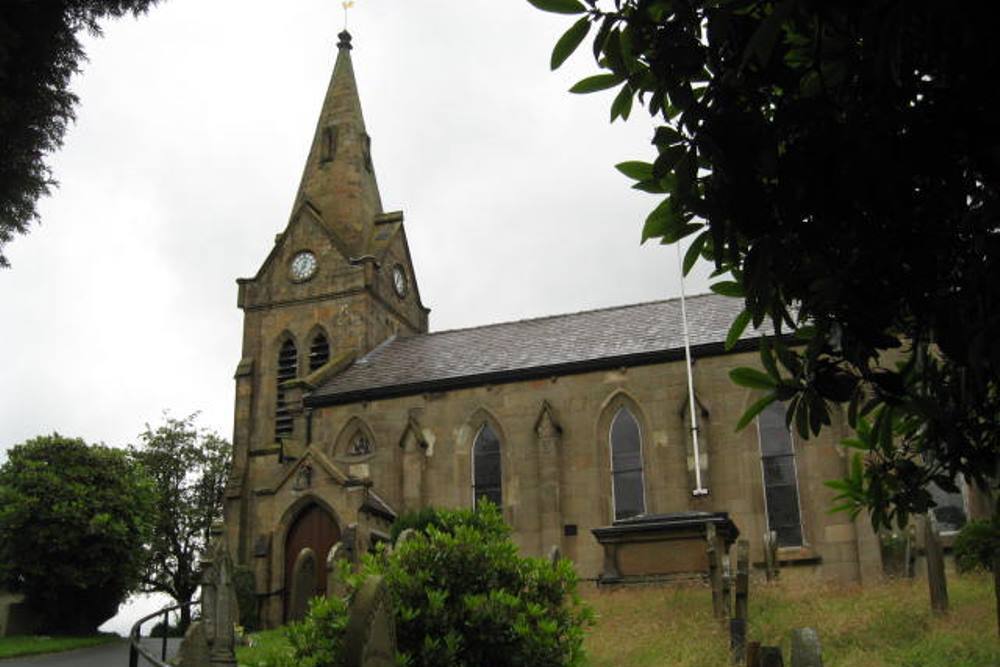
699 490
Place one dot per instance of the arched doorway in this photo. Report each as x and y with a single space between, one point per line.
316 530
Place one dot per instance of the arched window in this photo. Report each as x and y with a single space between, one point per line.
781 484
486 467
288 362
319 351
626 466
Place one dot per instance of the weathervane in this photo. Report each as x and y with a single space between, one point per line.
347 4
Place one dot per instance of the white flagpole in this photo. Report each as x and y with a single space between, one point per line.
699 490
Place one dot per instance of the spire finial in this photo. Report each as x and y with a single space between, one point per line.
345 41
346 4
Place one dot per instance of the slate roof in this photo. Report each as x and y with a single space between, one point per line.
590 340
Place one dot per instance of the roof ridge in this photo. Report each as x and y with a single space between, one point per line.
561 315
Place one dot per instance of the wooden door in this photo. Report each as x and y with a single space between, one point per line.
314 529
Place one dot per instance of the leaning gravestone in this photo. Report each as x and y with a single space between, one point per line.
335 584
304 577
806 651
555 555
211 641
405 536
370 637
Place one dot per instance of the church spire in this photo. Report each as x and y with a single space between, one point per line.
339 180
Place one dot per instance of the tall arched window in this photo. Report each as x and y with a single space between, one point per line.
288 362
626 466
486 467
319 351
781 483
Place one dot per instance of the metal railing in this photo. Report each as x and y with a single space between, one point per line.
134 637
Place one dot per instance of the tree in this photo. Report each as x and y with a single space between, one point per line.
189 468
73 521
838 162
39 54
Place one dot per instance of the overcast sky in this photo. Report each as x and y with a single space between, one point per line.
193 126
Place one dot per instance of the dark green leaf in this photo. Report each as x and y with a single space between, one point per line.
622 106
767 359
728 288
738 327
569 42
559 6
592 84
754 410
636 170
694 251
752 378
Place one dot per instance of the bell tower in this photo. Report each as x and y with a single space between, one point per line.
337 282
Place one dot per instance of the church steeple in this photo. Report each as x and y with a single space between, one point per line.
339 180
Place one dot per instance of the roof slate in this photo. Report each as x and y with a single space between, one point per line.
622 335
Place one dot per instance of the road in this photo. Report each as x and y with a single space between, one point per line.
114 654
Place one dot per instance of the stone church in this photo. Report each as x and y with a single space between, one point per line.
349 411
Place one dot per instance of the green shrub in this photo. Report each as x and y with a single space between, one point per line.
318 640
463 597
976 545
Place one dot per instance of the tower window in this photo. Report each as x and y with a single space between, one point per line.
329 147
319 352
628 489
486 478
781 484
288 361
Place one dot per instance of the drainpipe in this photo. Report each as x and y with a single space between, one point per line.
699 490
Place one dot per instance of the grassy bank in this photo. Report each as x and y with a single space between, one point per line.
880 626
11 647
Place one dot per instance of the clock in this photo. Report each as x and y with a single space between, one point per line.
303 266
399 280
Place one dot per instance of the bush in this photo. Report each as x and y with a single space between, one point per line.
976 545
73 520
463 597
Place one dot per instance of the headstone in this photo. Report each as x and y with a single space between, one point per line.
211 642
555 555
936 580
738 640
405 536
304 577
806 651
738 625
715 573
771 555
770 656
370 636
335 584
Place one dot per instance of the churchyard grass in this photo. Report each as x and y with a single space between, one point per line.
11 647
889 625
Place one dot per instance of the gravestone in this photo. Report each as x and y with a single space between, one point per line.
211 641
936 579
715 573
806 651
738 625
555 555
304 577
771 555
370 636
335 584
405 536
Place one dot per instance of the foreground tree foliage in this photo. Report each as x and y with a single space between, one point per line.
73 521
39 54
838 162
463 597
189 468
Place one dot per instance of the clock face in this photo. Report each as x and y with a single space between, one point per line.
303 266
399 281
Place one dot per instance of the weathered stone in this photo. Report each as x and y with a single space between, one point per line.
405 536
303 585
740 603
806 650
771 555
738 640
194 650
555 555
715 572
212 640
370 636
16 618
335 584
937 581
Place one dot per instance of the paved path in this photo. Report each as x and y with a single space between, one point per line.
114 654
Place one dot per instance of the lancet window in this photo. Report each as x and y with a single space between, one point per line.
288 361
486 473
628 486
781 483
